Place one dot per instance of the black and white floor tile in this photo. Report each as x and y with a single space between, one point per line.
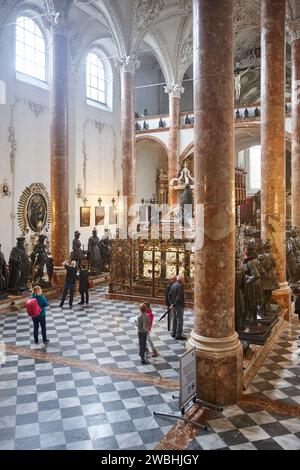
46 405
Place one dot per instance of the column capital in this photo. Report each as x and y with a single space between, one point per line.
128 64
293 28
57 14
174 91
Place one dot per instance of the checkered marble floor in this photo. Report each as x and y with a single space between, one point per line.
45 405
50 406
242 427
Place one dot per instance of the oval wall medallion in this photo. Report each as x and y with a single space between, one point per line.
34 209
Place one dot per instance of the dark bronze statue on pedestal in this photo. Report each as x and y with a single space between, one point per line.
77 254
94 254
186 205
253 285
3 275
19 267
292 256
266 268
41 259
105 250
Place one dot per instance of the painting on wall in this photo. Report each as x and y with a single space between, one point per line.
85 216
99 215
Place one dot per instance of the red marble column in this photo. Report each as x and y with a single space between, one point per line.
273 192
294 28
219 351
128 131
58 94
174 92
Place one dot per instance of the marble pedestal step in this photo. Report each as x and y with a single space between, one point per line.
252 366
14 302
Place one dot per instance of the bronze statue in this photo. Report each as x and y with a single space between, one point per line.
266 267
77 254
40 259
240 301
3 273
186 205
94 254
253 285
105 249
291 257
19 267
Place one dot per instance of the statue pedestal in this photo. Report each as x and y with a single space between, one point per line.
283 298
59 276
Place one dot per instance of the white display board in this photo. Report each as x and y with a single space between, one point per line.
188 377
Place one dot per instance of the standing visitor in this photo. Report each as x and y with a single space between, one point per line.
177 301
70 282
41 318
149 313
143 323
84 284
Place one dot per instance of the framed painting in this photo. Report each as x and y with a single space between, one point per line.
85 216
99 215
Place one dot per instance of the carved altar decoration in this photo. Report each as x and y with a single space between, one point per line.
186 176
34 209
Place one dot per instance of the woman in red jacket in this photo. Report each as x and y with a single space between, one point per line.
149 313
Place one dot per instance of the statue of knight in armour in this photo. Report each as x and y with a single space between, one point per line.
19 267
253 286
3 273
266 268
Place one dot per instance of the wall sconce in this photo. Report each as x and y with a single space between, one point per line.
100 201
4 190
79 192
85 200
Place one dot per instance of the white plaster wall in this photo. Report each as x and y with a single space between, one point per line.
150 158
32 156
103 153
32 134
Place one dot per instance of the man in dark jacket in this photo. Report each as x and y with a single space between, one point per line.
176 299
70 282
168 304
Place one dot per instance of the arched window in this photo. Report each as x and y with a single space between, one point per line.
30 49
96 79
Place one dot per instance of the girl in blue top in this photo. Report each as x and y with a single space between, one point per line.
41 319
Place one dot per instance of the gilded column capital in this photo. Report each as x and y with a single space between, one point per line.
293 28
174 91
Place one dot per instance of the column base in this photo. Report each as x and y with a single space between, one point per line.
59 276
219 368
283 297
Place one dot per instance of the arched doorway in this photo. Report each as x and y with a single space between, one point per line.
151 170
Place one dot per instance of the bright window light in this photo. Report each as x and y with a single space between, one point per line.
95 79
255 167
30 49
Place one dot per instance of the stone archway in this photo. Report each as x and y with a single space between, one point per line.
151 169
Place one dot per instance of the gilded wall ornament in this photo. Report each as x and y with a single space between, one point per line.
5 190
34 209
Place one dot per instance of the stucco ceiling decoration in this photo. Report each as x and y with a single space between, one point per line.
184 49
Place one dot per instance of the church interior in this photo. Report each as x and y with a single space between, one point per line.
150 225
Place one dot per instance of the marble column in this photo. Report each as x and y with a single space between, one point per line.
174 93
128 131
294 36
273 191
219 351
58 94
